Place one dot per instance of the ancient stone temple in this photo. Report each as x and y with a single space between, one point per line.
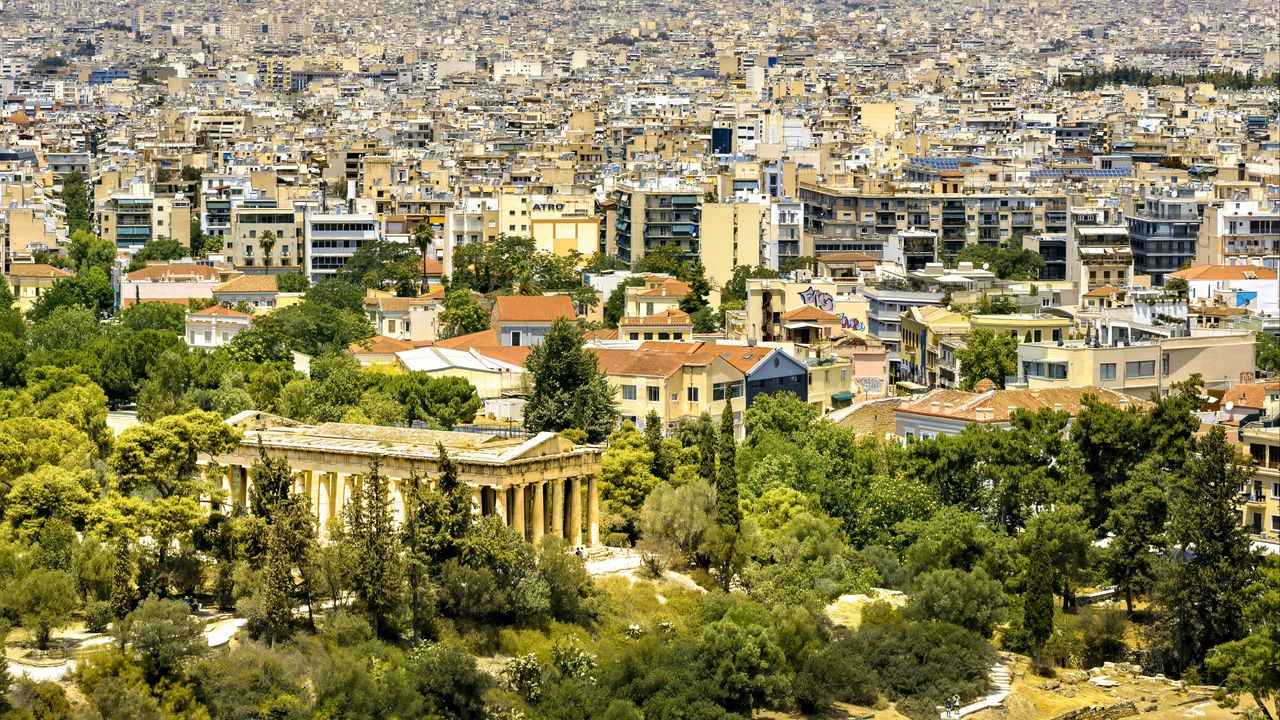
538 485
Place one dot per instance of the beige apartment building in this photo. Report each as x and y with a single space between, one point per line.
249 246
732 235
1260 506
1221 357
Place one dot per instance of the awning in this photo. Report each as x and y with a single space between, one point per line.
842 396
802 324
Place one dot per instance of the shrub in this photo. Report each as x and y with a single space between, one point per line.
97 616
524 676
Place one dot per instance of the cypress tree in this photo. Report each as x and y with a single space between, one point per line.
375 549
707 448
728 513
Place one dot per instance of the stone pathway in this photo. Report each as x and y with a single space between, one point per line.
1000 687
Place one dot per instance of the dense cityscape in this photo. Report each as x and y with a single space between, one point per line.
640 361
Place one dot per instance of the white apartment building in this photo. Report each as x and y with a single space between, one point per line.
332 238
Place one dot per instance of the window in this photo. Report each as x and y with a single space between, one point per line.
692 394
628 392
515 337
1275 489
1164 364
1140 368
1057 334
1107 371
655 395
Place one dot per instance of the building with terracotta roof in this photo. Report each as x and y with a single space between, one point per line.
674 382
178 282
525 319
950 411
29 280
379 350
1252 287
214 326
670 324
1260 496
415 319
659 293
257 291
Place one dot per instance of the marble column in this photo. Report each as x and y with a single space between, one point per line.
518 511
593 510
557 507
500 503
477 501
575 511
324 505
539 512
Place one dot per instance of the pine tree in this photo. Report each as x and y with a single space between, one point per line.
375 548
728 513
568 391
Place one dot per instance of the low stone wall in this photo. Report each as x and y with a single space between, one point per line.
1110 712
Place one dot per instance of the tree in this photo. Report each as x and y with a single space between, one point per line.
90 289
163 635
88 250
337 292
1008 262
735 289
568 391
662 464
423 238
162 249
447 400
163 456
292 282
384 264
375 547
1064 535
695 301
663 260
462 314
43 601
728 513
625 476
745 666
67 327
75 197
1267 353
1201 597
1037 603
267 241
987 354
1137 521
162 316
615 305
971 600
1252 664
449 681
49 492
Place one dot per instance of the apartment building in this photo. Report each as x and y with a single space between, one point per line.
652 213
29 280
677 385
732 235
265 238
1221 357
133 215
1240 232
330 239
1162 232
1260 501
1100 237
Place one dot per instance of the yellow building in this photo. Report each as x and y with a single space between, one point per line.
923 328
674 382
564 224
1026 327
30 280
731 236
1222 358
1260 511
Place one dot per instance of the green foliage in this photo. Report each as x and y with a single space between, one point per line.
462 314
735 289
42 601
160 249
1008 262
1201 599
987 354
1129 75
626 478
89 289
1251 665
75 197
970 600
161 316
384 265
375 546
446 400
162 636
293 282
568 391
1267 352
615 305
88 250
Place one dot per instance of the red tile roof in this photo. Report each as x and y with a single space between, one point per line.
995 406
37 270
534 309
171 272
671 317
1227 272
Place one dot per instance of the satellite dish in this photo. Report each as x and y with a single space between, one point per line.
1229 406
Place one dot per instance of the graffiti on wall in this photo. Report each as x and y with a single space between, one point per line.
823 301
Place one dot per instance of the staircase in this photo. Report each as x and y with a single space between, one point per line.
1000 683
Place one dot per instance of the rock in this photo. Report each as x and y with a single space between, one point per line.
1149 707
